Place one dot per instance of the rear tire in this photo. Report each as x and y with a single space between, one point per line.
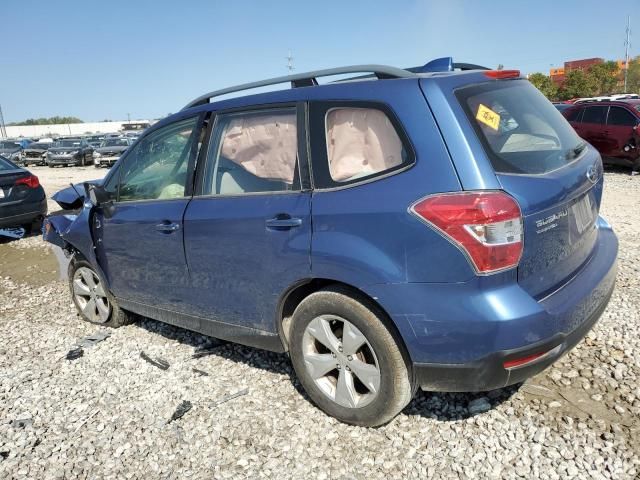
92 299
347 360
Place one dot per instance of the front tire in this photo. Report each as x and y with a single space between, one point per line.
92 299
347 359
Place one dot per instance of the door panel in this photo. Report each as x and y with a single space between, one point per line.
239 264
142 245
593 126
620 131
144 255
248 237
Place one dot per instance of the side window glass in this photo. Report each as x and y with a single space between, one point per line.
253 152
111 185
362 142
574 114
157 166
595 115
621 117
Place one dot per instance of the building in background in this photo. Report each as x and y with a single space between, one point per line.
558 74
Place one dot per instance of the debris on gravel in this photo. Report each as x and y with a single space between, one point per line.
104 415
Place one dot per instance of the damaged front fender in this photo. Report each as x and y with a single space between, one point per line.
72 231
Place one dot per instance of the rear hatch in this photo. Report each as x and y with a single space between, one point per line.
553 174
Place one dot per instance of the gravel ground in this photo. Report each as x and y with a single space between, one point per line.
107 414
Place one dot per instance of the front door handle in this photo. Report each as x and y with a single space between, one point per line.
283 222
167 227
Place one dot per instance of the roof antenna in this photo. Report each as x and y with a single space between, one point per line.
289 58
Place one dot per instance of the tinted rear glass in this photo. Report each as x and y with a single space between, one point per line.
574 115
620 116
521 131
594 115
6 165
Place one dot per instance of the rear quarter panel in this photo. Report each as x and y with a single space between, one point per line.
364 234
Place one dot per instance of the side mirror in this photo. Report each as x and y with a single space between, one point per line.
96 194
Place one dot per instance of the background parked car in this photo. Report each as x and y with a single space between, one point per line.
110 150
22 199
611 127
35 153
70 151
561 106
11 150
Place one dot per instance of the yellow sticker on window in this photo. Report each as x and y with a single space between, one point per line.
488 117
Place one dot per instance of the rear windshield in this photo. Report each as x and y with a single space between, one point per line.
521 131
6 165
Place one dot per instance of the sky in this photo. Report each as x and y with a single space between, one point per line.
109 59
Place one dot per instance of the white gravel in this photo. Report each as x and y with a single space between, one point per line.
105 415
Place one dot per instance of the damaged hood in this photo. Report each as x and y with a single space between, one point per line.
72 197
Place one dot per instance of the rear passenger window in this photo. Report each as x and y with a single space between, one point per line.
595 115
621 117
574 114
359 143
252 152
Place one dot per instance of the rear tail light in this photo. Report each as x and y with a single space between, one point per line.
498 74
485 226
31 181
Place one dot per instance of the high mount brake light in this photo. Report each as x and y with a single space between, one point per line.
31 181
498 74
485 226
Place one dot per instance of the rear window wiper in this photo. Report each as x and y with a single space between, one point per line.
574 152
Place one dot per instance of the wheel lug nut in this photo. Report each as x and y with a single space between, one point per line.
340 349
347 369
349 358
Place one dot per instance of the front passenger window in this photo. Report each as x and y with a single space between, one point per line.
157 166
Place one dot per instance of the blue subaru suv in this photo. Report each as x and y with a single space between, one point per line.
434 227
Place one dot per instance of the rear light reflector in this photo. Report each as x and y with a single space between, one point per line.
520 362
498 74
485 226
31 181
529 359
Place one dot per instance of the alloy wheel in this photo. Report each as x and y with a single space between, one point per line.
341 361
90 295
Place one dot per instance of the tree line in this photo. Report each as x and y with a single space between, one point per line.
47 121
600 79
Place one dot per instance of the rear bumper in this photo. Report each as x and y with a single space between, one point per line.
459 335
489 373
22 213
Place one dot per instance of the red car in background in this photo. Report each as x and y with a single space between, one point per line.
613 128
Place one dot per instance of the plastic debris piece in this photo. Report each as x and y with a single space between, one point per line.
200 372
75 353
231 396
16 233
22 422
157 362
208 349
90 340
181 410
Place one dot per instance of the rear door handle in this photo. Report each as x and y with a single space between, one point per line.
283 221
167 227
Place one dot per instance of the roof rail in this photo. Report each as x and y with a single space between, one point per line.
306 80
